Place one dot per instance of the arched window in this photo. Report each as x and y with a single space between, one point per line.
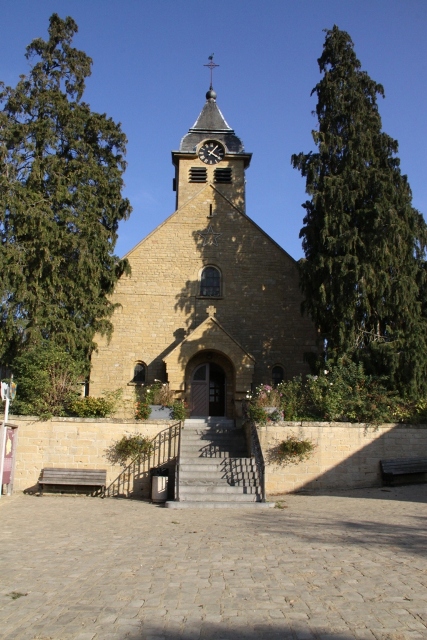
210 282
139 372
277 375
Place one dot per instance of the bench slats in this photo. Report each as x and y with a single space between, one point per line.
401 467
77 477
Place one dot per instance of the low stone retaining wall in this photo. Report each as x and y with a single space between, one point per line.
71 442
346 456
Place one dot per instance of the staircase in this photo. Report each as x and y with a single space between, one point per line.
214 468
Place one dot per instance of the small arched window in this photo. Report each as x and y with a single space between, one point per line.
139 372
277 375
210 282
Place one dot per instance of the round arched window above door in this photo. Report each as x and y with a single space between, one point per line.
210 282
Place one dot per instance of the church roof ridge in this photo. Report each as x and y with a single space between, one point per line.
206 321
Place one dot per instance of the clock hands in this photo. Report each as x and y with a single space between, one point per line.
211 153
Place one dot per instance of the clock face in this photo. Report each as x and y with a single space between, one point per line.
211 152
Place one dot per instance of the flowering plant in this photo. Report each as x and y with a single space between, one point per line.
142 410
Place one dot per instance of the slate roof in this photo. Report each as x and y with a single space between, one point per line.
211 122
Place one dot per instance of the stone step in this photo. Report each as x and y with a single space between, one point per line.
211 453
218 462
209 423
214 469
189 472
189 504
221 457
212 439
242 486
185 489
217 497
203 430
213 442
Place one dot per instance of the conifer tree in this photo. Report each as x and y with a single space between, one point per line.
60 203
364 243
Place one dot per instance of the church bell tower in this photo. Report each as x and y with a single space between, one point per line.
211 153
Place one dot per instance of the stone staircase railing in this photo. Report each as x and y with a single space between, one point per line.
135 479
256 453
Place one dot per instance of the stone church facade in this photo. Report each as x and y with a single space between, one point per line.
212 305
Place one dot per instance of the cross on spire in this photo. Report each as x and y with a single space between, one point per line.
211 64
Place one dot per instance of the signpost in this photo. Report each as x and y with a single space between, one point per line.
8 393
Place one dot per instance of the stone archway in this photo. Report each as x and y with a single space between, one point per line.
210 385
210 342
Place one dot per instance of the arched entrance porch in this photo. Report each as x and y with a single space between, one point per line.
210 383
209 343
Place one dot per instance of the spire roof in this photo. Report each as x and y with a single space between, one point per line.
211 122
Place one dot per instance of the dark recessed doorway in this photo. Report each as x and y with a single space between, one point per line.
208 390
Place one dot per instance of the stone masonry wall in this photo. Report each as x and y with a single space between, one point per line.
346 455
78 443
160 305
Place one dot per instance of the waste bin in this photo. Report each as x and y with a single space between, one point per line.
159 485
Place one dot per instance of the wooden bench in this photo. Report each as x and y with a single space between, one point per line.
73 478
414 467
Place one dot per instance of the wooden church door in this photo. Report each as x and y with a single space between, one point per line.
208 391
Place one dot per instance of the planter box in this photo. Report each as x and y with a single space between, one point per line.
159 413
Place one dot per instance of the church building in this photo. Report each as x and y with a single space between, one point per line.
212 305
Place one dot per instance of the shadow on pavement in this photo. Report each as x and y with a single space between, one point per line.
402 493
208 631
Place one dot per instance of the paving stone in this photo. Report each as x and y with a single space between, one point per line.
336 567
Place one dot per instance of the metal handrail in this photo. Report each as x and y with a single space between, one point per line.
165 447
178 462
256 452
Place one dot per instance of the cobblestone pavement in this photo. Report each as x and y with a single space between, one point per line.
327 567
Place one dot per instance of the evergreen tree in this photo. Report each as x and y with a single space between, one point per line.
364 242
60 203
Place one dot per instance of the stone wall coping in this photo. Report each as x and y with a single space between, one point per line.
95 420
338 425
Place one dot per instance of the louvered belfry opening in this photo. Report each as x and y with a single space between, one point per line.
223 175
198 174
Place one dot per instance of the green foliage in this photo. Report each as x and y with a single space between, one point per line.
179 410
128 448
60 203
49 381
257 413
294 449
341 393
363 275
90 407
142 410
292 398
346 394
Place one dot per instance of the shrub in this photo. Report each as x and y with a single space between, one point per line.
90 407
179 410
128 448
256 413
343 392
294 449
292 398
142 410
49 380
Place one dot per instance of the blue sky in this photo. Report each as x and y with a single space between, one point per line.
148 74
